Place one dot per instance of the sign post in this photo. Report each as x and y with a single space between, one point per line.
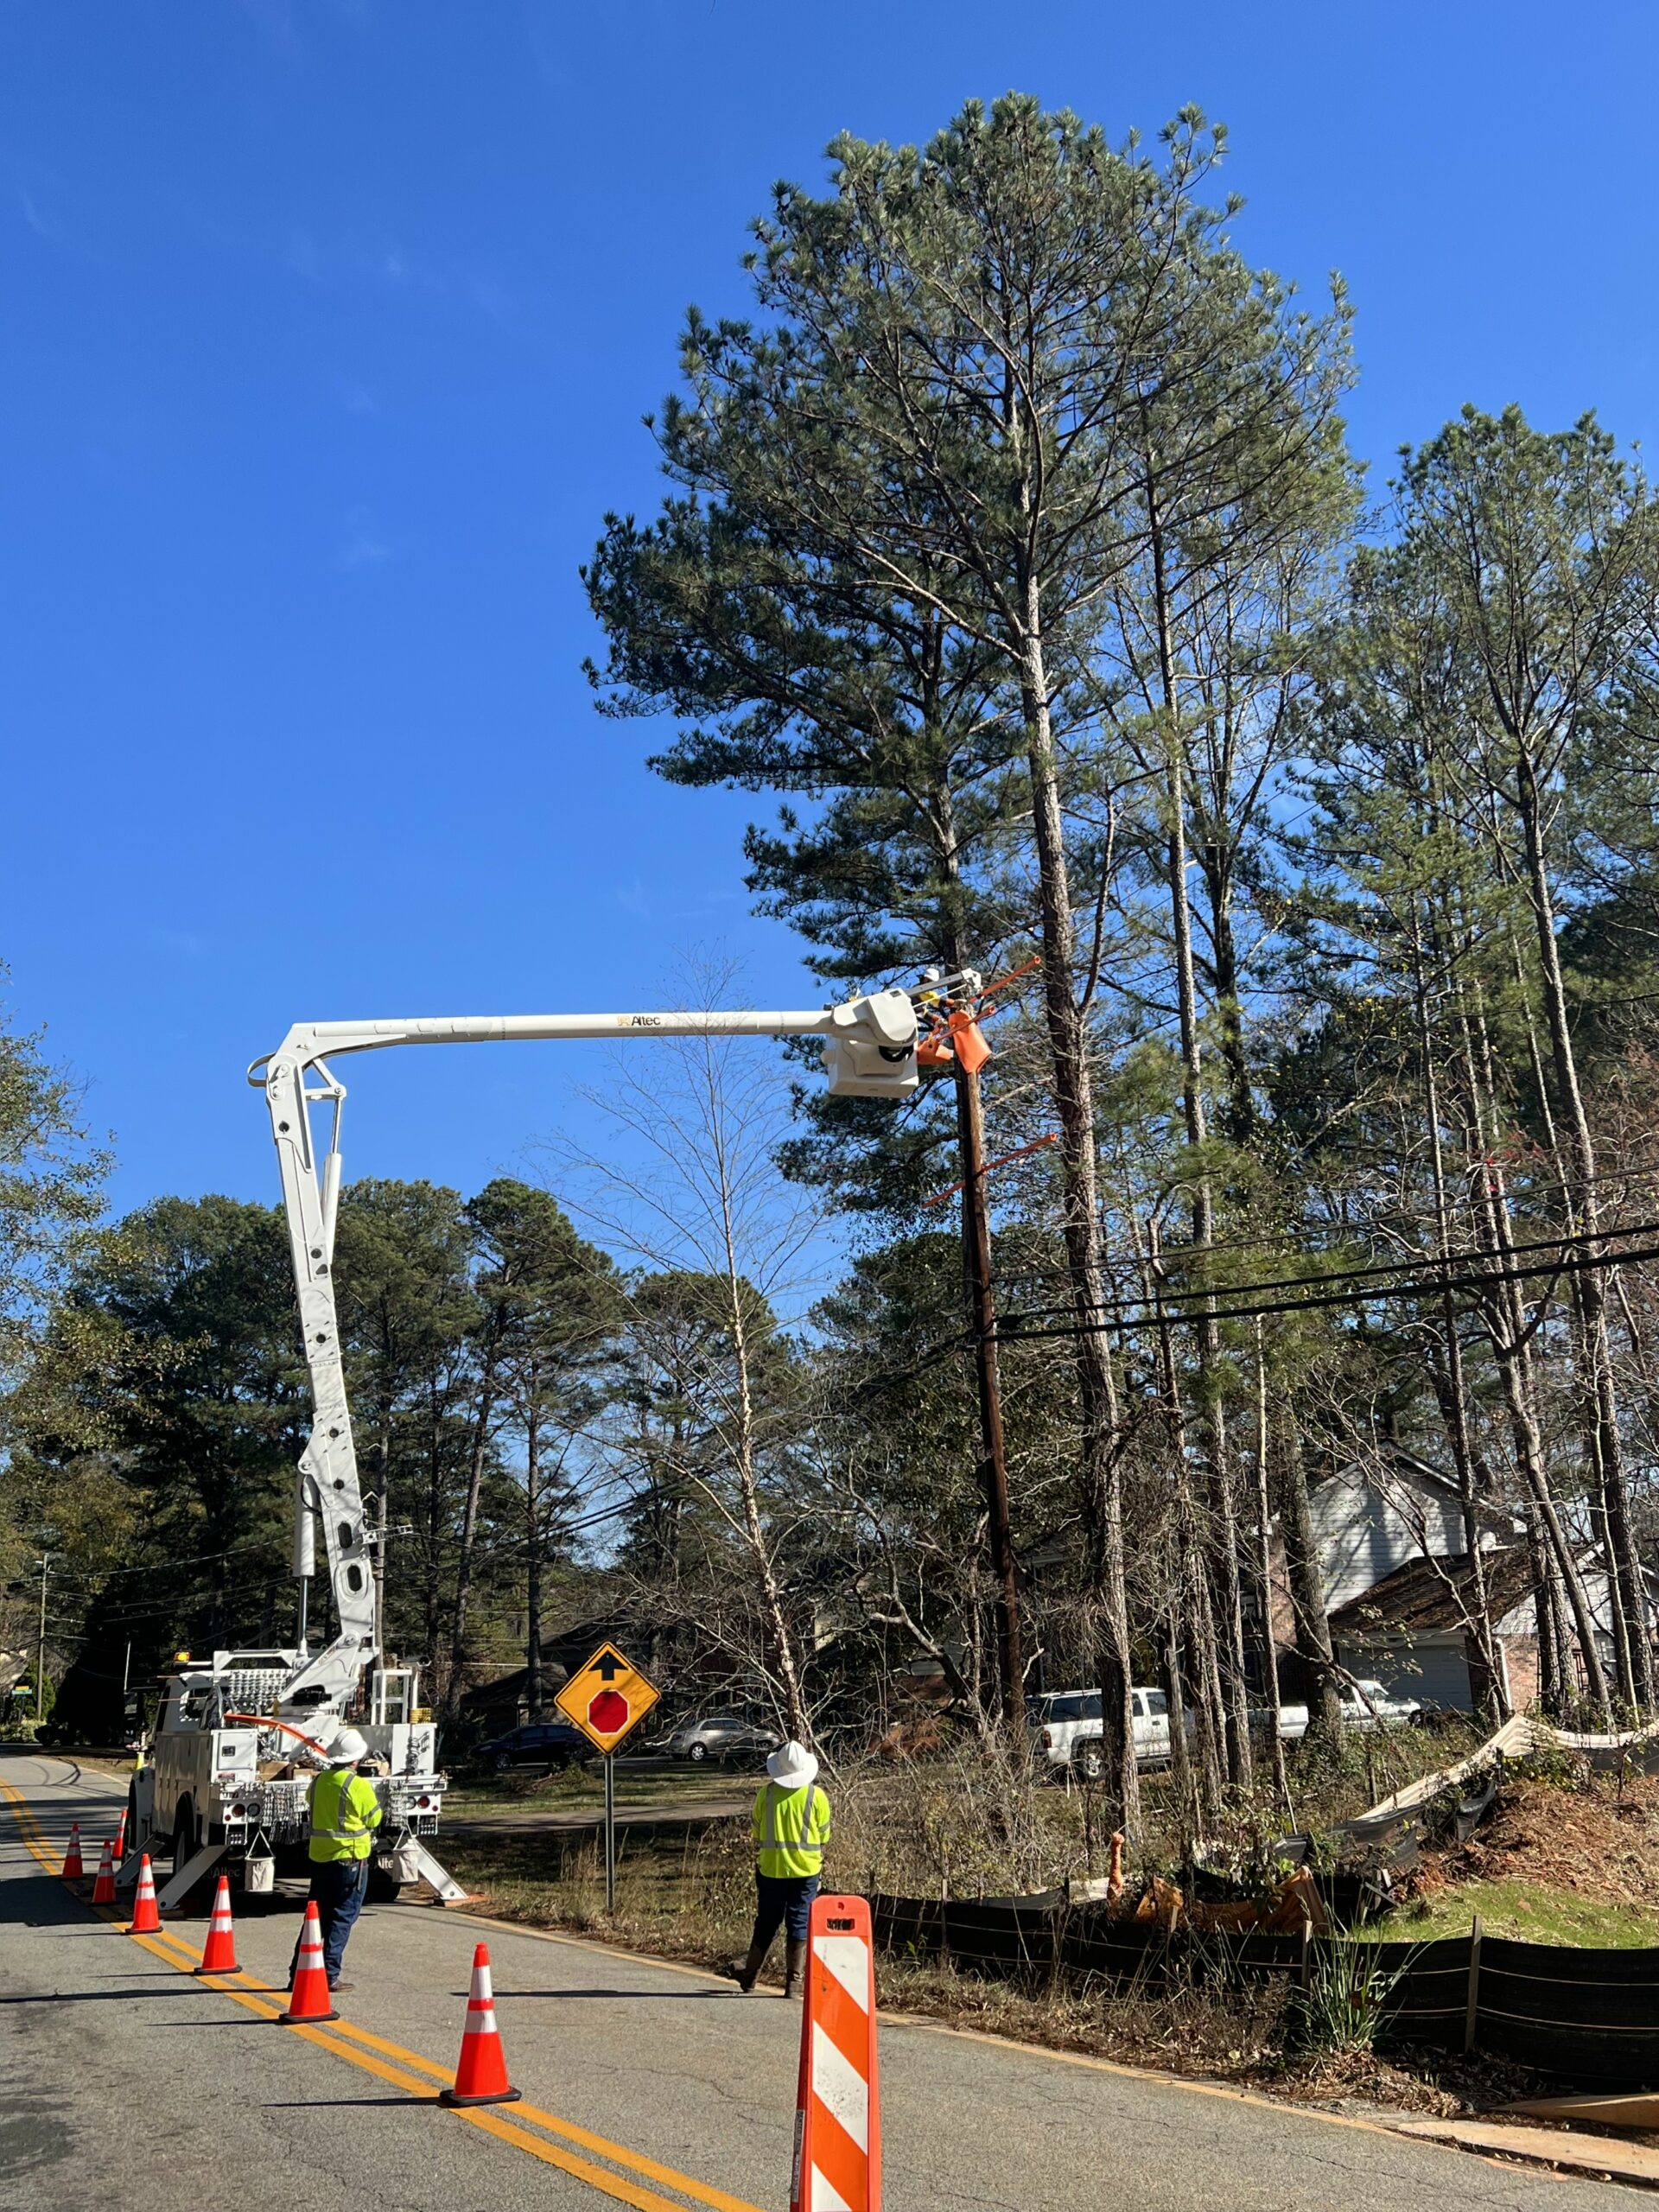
607 1698
610 1831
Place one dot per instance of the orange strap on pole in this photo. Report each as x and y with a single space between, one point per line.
838 2116
991 1166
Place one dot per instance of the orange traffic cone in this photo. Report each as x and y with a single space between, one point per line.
104 1887
146 1919
309 1997
218 1953
481 2076
72 1869
121 1838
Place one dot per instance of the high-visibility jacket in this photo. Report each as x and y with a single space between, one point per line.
791 1829
345 1813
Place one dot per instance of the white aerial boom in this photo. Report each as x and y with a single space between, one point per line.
869 1052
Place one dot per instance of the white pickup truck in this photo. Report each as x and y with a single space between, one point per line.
1365 1705
1067 1723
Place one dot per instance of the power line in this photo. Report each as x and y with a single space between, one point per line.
1168 1307
1581 1263
1034 1271
1362 1274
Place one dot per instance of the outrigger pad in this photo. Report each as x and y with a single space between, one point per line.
188 1875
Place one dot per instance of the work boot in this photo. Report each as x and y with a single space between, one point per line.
794 1968
745 1975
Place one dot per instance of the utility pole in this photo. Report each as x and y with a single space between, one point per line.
40 1653
956 1040
993 1463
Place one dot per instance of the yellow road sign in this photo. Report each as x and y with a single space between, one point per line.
606 1697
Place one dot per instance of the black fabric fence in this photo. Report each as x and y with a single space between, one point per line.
1587 2017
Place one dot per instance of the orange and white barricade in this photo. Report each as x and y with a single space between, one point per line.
838 2113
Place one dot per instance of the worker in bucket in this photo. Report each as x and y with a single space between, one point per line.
791 1823
345 1813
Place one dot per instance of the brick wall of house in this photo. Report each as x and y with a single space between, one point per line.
1520 1659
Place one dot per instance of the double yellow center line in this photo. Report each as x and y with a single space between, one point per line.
407 2070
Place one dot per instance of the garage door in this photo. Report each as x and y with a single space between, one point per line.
1435 1675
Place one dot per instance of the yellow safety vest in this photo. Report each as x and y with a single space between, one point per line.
791 1829
345 1813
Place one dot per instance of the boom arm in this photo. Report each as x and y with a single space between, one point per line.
869 1051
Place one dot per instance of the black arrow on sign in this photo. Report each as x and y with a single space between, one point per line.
607 1666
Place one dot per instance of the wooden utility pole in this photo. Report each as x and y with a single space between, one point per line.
40 1653
994 1465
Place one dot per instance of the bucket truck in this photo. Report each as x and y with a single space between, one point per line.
220 1782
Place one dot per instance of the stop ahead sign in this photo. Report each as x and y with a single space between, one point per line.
606 1697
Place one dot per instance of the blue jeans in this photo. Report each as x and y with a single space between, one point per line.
338 1889
784 1900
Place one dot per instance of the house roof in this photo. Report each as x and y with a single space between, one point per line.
1431 1596
509 1685
1405 1467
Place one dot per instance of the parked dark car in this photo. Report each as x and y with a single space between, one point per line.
552 1745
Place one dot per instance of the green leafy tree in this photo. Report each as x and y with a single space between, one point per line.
552 1309
50 1197
408 1316
961 350
174 1391
1515 609
50 1186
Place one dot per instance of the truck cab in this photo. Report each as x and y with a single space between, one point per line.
1069 1729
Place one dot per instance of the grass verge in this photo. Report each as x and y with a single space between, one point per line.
1531 1912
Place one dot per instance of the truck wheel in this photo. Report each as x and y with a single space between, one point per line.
184 1836
383 1888
1092 1761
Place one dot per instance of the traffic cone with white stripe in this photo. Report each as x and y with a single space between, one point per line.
309 1997
482 2074
838 2110
72 1869
218 1952
146 1917
121 1838
103 1885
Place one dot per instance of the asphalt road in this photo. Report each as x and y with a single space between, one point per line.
125 2082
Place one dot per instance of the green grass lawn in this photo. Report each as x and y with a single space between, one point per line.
581 1789
1530 1912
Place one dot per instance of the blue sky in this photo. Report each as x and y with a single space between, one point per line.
331 324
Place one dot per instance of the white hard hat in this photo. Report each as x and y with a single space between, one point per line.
347 1748
793 1767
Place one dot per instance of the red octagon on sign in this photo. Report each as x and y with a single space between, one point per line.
608 1712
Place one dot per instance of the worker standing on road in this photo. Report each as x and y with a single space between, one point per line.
345 1813
792 1825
